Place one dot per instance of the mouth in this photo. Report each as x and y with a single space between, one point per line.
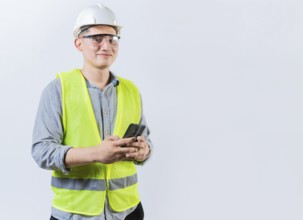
104 54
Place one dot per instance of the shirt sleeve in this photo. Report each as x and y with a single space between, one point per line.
47 148
146 134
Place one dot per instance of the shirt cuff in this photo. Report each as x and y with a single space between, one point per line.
61 164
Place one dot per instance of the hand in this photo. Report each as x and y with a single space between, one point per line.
110 150
141 150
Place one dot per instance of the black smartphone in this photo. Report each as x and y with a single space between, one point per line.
134 130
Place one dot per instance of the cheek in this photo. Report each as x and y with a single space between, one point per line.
89 52
88 55
115 52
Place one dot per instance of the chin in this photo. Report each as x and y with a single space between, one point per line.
103 66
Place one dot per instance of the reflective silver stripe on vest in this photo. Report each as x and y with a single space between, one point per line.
122 182
79 184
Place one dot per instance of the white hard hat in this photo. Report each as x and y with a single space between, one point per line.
97 14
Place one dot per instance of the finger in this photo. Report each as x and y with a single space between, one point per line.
132 155
141 139
126 150
135 156
138 145
125 141
113 138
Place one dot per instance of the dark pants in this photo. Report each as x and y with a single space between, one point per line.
137 214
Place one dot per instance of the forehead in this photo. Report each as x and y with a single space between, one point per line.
102 29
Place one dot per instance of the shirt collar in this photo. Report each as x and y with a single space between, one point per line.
113 82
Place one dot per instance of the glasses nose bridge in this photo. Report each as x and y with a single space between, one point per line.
103 39
105 43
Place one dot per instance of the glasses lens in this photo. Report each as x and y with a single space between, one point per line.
97 38
113 40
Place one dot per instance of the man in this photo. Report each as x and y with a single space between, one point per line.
80 123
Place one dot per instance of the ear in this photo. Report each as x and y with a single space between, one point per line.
78 44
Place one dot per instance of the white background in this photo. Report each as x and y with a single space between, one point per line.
222 86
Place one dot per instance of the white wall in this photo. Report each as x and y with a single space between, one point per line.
222 86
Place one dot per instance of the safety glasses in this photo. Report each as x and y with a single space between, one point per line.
96 39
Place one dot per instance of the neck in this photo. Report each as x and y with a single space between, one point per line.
98 77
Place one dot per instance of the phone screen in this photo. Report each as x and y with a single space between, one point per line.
134 130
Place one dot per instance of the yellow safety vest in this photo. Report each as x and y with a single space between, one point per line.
84 189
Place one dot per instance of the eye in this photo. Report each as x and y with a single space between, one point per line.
97 38
110 40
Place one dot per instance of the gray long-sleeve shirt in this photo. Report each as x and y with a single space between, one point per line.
47 149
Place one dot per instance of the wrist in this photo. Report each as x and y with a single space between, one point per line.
94 155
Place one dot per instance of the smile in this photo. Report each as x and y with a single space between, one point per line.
104 54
